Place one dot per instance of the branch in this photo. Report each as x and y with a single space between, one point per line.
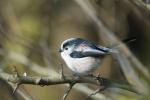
49 71
54 75
42 81
97 91
68 90
48 80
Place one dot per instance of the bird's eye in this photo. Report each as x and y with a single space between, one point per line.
66 48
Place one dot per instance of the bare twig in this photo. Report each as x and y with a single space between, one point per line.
19 79
49 72
97 91
16 87
5 76
49 81
68 90
55 81
16 76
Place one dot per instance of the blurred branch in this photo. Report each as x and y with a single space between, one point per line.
52 74
42 81
128 58
54 77
21 92
49 72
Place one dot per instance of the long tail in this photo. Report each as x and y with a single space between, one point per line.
126 41
113 48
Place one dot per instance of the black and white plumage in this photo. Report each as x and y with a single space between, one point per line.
82 56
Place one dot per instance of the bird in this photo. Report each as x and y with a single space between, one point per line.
82 56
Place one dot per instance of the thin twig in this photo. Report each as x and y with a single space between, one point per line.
97 91
68 90
16 87
16 76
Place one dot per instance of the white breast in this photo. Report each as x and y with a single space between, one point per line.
81 65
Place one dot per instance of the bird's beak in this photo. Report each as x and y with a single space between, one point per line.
60 50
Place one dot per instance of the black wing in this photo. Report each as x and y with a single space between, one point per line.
88 53
92 50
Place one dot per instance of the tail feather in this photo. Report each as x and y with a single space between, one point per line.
108 50
113 48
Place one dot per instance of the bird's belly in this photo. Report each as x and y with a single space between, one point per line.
83 65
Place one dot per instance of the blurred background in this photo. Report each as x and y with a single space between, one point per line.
31 32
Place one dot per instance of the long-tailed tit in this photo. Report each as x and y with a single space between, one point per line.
82 56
